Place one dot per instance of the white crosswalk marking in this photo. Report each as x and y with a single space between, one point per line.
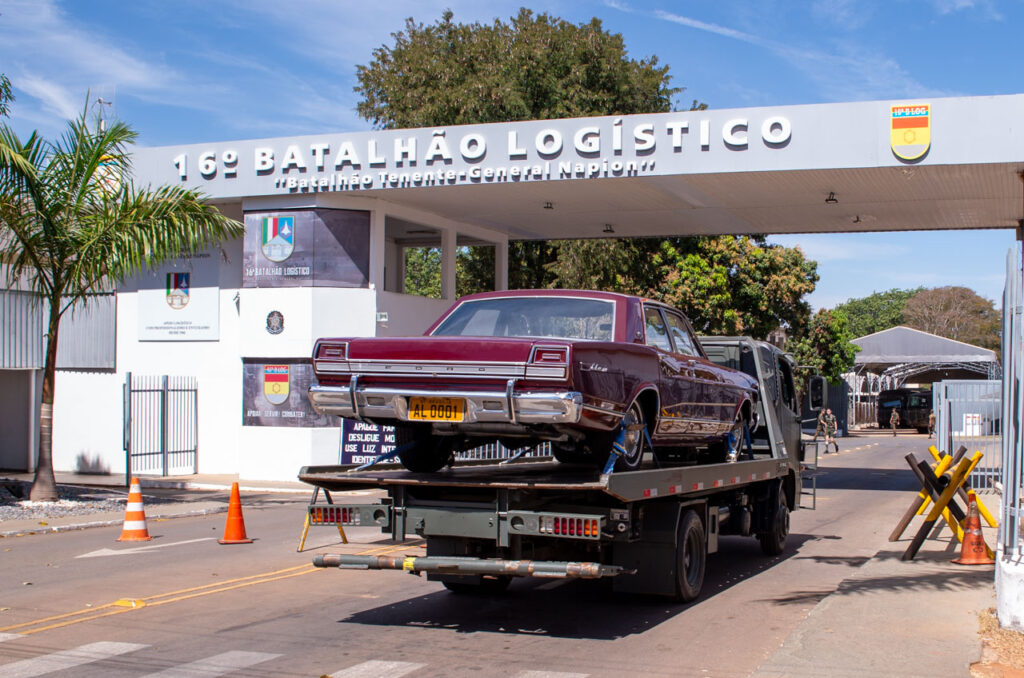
377 669
550 674
217 665
68 659
9 636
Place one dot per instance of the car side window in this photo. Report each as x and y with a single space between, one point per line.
656 331
685 343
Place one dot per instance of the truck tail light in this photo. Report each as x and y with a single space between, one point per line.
550 362
579 527
334 515
331 357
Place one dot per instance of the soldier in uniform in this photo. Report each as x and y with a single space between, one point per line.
830 430
931 423
820 430
894 420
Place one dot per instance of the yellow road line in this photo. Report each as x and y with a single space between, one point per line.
129 605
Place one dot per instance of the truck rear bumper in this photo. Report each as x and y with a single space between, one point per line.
472 566
509 406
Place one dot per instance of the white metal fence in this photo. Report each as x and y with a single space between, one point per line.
1013 403
969 412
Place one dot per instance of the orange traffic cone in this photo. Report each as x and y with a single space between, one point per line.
234 528
134 516
974 550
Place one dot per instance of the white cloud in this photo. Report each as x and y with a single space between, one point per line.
848 72
54 62
55 98
831 247
985 7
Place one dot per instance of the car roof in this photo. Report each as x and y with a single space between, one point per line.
590 294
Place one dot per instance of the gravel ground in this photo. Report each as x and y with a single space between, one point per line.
74 501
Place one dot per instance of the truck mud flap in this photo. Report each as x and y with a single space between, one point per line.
472 566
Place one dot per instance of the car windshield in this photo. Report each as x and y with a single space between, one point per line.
555 317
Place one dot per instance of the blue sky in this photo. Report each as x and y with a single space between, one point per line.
210 70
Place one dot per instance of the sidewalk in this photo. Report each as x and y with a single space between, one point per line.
200 494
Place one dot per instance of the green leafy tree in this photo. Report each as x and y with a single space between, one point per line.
876 312
955 313
737 284
535 66
72 222
825 347
6 96
726 284
423 271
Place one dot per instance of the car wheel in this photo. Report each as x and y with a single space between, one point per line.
691 557
731 447
426 452
635 439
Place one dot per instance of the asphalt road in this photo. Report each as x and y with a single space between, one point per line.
81 604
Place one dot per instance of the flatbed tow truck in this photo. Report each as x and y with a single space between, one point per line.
651 529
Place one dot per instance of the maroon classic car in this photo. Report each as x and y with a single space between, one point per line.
522 367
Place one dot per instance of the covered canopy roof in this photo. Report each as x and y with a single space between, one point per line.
904 351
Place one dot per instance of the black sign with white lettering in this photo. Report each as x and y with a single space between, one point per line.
362 442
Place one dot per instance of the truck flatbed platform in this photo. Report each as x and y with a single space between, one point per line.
646 483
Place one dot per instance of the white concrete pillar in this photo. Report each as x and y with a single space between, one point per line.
1009 590
394 267
378 247
501 265
449 240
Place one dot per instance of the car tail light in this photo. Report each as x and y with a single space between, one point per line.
331 357
548 362
580 527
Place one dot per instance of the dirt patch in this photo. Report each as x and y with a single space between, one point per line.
1002 653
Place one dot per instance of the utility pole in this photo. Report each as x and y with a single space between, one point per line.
101 103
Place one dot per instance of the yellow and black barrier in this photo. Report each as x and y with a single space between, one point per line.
961 493
924 496
941 501
305 527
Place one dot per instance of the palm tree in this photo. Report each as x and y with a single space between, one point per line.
73 223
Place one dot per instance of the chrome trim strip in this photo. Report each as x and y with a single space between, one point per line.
526 407
509 388
352 384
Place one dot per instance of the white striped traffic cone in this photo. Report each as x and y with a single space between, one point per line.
134 516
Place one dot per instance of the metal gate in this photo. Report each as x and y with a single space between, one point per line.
969 412
1012 423
160 425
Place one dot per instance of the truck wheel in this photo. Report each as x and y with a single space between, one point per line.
773 542
427 453
691 557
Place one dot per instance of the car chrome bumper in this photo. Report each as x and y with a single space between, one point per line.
508 406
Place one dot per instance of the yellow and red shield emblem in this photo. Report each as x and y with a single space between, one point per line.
910 131
275 383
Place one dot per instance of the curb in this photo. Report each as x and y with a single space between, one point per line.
52 529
